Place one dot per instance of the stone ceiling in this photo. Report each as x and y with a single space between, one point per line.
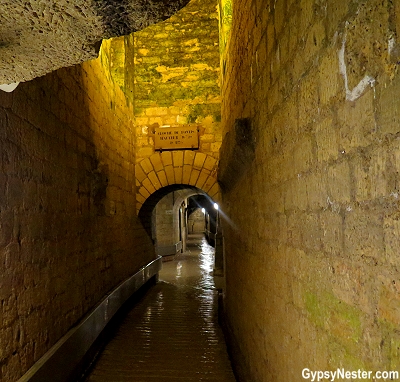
39 36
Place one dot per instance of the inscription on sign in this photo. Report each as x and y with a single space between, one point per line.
173 138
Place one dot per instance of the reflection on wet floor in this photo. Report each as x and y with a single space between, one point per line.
172 334
192 268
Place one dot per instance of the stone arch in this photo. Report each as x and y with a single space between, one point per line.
183 192
167 168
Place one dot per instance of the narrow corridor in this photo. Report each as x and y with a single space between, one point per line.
279 118
172 334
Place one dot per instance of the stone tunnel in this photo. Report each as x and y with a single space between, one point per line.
293 112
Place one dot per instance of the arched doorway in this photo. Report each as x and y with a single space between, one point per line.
166 212
179 169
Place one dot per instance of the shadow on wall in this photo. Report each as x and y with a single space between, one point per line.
239 152
69 230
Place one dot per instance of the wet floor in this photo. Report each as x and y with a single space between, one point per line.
172 334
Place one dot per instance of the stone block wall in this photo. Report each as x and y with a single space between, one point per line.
170 71
177 76
68 226
165 224
167 168
312 249
196 222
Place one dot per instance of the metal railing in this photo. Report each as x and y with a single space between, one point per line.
67 354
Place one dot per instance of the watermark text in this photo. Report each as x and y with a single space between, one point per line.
338 374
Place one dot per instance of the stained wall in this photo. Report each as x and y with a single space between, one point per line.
177 76
312 244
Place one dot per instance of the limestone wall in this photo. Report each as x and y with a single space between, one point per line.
177 76
68 226
171 71
313 252
196 222
165 223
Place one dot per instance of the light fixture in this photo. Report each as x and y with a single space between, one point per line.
203 211
216 206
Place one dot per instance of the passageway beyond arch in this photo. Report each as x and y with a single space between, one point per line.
168 207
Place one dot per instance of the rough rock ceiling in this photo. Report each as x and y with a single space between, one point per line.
39 36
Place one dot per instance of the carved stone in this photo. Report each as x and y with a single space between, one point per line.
39 36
